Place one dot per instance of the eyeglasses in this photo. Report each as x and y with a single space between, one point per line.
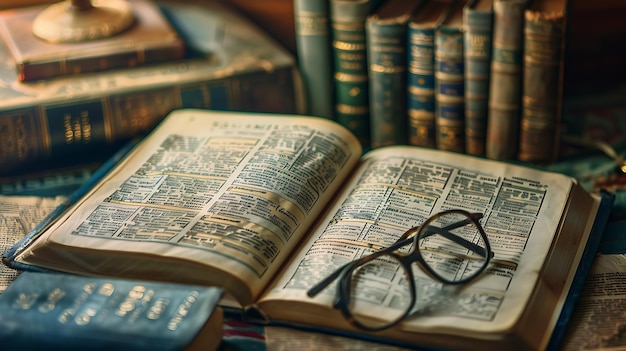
451 247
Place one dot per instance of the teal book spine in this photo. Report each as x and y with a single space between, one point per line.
350 64
421 85
450 83
542 85
387 59
478 23
313 49
55 311
505 84
230 65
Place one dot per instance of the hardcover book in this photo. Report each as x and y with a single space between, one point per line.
350 65
386 38
267 208
150 39
315 58
450 81
542 84
505 84
421 72
55 311
478 22
230 64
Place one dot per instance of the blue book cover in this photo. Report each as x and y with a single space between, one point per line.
69 312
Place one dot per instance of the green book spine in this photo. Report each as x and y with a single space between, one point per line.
76 119
450 82
541 101
350 63
313 48
387 60
506 79
478 22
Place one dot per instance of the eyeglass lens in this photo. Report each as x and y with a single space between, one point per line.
384 281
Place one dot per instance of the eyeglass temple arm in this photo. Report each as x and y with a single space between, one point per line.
326 281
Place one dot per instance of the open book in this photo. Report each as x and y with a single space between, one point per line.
266 206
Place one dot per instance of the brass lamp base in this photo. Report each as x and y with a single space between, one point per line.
77 21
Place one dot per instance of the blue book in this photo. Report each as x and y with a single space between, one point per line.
450 81
478 22
56 311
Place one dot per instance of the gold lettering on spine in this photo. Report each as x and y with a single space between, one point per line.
70 312
54 297
21 145
182 311
310 23
157 308
67 124
77 130
24 301
478 45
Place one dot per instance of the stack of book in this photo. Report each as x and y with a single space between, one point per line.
482 77
228 63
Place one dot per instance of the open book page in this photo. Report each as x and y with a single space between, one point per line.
234 191
397 188
598 322
18 216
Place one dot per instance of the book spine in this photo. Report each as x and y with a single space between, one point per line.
386 57
313 49
63 132
477 42
541 101
505 85
350 64
421 85
450 89
76 65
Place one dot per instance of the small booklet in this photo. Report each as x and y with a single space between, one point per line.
266 206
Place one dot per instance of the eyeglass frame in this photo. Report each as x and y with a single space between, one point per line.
343 294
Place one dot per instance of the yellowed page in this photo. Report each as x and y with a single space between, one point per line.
18 216
395 189
598 321
234 191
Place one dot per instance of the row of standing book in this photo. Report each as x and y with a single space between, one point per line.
481 77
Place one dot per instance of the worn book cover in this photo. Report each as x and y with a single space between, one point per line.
386 37
450 81
230 64
477 37
150 39
542 83
56 311
421 72
267 208
505 83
